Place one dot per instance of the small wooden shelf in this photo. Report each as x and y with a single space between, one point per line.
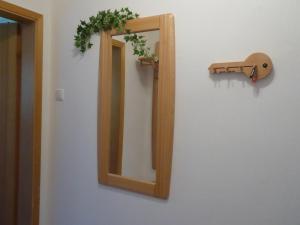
148 62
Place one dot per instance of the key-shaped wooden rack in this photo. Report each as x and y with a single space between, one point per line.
257 66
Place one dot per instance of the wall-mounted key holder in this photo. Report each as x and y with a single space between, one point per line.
257 66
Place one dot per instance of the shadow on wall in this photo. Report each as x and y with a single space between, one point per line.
136 195
260 84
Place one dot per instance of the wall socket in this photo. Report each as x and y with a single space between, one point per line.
60 95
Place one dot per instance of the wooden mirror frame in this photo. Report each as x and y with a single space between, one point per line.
165 107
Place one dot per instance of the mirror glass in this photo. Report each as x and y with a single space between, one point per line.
132 152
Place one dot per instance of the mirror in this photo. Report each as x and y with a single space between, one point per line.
117 107
131 110
136 108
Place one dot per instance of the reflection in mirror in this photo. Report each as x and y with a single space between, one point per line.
117 107
132 113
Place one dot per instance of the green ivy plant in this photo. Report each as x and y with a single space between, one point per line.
108 20
139 44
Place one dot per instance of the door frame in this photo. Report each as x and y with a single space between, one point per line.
21 14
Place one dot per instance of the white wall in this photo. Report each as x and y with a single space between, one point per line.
236 146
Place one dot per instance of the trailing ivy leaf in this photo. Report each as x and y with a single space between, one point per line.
126 38
90 45
106 20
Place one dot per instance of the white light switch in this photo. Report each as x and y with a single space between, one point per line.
60 95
